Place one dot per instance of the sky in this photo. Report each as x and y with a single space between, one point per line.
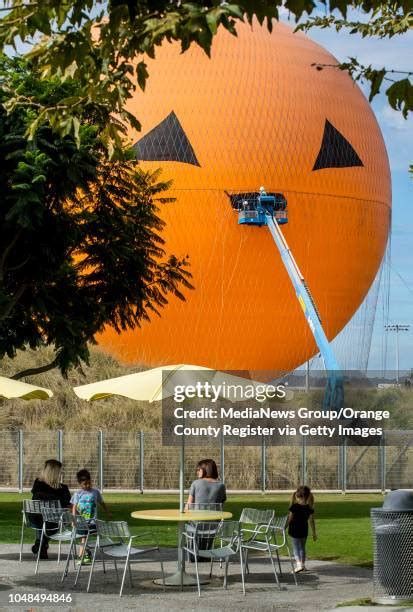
393 53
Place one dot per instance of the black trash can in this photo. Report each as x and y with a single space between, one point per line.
393 548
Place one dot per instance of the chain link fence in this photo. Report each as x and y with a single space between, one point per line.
138 461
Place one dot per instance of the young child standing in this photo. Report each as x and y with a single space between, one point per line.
85 502
300 514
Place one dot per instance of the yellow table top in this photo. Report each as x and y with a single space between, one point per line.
172 514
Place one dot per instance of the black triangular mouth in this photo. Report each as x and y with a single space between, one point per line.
166 142
335 151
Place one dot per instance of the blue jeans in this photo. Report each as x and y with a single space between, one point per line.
299 549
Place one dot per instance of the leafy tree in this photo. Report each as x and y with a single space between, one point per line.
102 45
386 20
80 244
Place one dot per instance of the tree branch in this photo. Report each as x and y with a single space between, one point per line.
34 371
6 252
17 6
13 301
20 265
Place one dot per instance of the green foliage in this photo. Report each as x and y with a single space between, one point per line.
382 20
80 236
400 96
102 45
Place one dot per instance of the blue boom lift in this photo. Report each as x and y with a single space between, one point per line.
271 210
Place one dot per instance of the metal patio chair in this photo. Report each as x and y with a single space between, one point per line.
32 517
206 541
115 541
226 533
81 529
254 523
57 526
268 538
280 540
204 506
254 520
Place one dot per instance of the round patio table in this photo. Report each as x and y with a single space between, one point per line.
170 514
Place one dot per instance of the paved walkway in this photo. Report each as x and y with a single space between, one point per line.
324 586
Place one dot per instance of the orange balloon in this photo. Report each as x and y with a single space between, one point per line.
258 113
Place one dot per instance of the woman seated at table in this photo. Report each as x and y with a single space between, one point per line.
48 487
205 493
207 488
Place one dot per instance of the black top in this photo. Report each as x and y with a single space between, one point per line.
44 492
298 528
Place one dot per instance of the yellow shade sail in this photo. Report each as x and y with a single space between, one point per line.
11 389
148 386
152 385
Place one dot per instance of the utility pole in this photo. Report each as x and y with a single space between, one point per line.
397 327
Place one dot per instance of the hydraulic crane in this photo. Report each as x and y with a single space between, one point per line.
270 209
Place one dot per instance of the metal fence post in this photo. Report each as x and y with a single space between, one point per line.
344 466
303 459
222 453
141 459
60 445
383 463
339 467
100 459
20 462
263 466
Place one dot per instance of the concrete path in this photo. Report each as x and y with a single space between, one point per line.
322 587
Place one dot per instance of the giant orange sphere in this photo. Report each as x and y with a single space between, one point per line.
258 113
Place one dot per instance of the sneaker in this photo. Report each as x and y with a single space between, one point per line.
298 568
87 560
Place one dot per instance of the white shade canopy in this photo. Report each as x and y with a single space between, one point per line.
148 386
10 389
151 385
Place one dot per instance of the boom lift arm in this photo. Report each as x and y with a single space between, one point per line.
271 210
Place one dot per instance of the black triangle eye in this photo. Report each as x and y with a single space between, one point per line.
166 142
335 151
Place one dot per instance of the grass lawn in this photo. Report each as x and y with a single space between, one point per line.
342 521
